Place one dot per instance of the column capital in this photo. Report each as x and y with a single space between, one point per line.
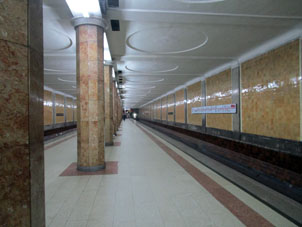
97 21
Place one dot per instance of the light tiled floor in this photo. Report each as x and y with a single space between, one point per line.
150 189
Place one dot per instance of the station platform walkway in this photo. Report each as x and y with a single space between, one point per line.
149 182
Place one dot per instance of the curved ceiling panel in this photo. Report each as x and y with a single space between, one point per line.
139 81
55 41
151 67
167 40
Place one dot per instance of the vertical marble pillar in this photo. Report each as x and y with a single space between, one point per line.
90 93
21 103
108 106
116 109
113 108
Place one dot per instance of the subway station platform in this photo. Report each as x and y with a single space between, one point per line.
148 182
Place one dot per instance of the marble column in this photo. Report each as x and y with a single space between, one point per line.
108 106
90 93
21 103
113 107
116 125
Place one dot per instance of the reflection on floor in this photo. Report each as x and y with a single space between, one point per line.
156 185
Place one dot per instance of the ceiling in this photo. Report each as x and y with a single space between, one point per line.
163 44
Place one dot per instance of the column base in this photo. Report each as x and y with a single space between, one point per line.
91 168
107 144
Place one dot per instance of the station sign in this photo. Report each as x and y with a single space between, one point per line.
219 109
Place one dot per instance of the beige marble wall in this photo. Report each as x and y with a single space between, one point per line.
48 108
151 111
90 81
164 108
219 92
270 93
180 106
158 109
59 102
108 105
21 104
75 118
145 113
171 107
69 109
194 99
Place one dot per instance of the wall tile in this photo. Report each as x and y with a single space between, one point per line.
164 108
180 106
60 109
171 108
194 99
69 109
48 108
219 92
270 93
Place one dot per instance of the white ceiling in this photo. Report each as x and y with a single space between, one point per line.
165 43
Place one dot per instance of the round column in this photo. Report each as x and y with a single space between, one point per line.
90 93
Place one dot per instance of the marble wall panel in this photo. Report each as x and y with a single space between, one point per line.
13 21
171 103
164 108
151 111
146 112
75 118
48 108
158 109
14 93
194 99
14 136
60 118
270 88
219 92
180 106
21 126
69 109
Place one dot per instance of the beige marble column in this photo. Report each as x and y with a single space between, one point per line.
115 110
21 113
90 93
108 106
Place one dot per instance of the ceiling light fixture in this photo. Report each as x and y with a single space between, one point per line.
87 8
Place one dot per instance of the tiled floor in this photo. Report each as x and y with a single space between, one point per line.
150 189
